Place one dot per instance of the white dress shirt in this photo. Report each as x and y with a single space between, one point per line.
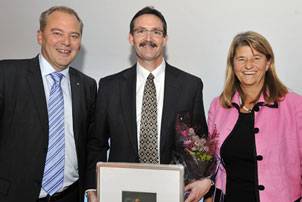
159 81
71 163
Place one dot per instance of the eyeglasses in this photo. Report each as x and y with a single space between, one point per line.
153 32
244 60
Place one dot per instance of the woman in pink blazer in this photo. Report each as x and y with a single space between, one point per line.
259 126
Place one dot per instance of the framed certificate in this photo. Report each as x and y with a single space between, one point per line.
137 182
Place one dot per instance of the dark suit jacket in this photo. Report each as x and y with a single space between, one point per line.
24 127
116 116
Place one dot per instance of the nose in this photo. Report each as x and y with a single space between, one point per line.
66 40
249 63
148 35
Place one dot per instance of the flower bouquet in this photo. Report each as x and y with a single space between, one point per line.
196 152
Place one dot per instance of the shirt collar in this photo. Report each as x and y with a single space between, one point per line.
144 73
47 69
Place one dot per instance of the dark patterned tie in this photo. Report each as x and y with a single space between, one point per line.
148 149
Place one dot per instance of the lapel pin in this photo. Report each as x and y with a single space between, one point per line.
78 84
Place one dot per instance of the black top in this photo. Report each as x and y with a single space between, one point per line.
239 156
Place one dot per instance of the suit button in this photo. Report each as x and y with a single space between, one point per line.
256 108
261 187
256 130
259 158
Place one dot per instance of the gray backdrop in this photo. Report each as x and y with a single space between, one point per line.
200 32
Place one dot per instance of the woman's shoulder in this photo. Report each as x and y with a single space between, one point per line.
293 94
215 104
292 101
293 97
216 101
217 108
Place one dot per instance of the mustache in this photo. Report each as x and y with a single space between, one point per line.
149 43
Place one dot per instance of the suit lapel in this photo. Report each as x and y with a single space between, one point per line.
75 85
128 101
170 97
35 81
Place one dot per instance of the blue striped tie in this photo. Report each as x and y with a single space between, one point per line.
54 167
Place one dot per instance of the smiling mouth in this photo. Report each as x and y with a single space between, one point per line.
64 51
249 73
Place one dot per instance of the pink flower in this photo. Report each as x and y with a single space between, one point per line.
184 133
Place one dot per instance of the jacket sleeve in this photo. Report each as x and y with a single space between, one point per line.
211 115
1 91
97 144
198 109
299 135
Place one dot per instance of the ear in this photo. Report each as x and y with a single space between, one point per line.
165 40
39 37
130 39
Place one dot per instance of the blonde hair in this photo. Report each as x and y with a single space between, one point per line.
273 89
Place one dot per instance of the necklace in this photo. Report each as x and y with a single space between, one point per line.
246 109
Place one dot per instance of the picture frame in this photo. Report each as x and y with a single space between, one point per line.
138 182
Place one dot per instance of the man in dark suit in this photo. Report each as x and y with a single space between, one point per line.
143 101
44 122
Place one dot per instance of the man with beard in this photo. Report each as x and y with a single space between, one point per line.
136 109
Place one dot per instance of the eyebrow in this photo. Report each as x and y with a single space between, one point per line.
60 30
153 28
56 29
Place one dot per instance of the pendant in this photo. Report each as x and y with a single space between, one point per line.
246 109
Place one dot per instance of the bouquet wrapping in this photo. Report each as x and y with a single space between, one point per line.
195 151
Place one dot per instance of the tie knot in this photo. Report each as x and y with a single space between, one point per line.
150 77
56 77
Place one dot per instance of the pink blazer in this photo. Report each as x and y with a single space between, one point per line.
278 141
